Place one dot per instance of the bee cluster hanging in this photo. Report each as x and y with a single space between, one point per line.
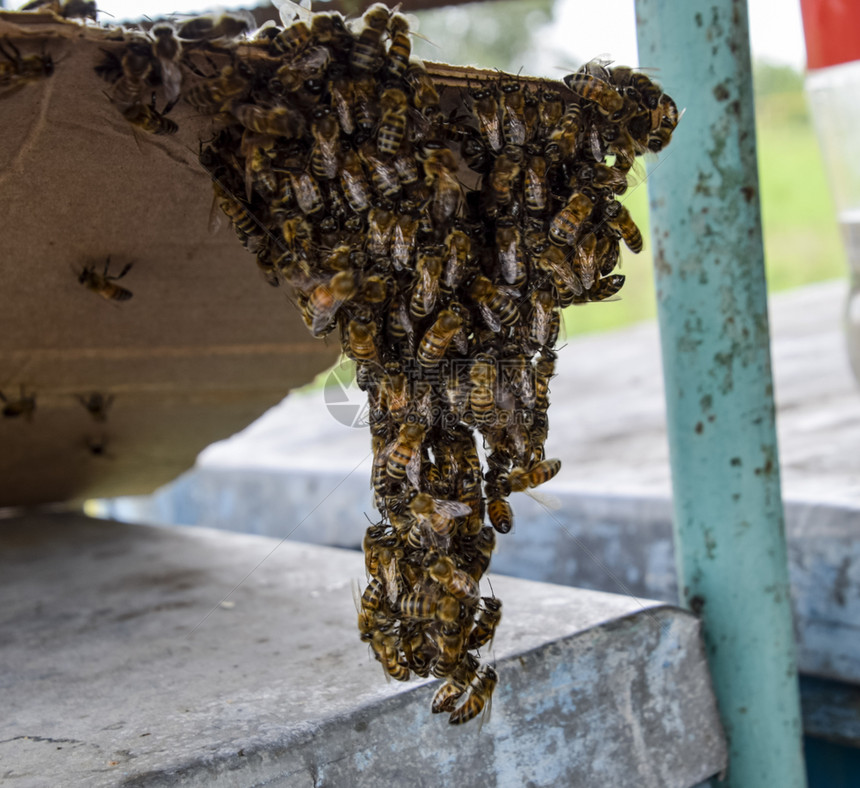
439 229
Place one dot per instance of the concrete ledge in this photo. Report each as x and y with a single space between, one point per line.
140 656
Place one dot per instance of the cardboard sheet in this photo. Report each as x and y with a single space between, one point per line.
202 348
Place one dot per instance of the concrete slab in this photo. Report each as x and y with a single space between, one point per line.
138 656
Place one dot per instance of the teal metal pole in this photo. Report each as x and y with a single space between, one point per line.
709 261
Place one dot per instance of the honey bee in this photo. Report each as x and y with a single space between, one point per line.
457 249
509 251
648 91
406 169
520 479
403 241
167 50
404 458
292 40
16 71
223 27
434 344
394 393
585 260
482 398
455 581
446 697
566 223
256 149
104 284
426 290
550 109
65 9
497 308
380 227
564 139
353 182
96 404
438 515
603 290
277 121
485 624
308 194
607 253
505 172
399 325
619 219
514 127
544 371
425 97
148 119
385 650
485 106
326 133
450 639
545 320
392 126
535 190
23 405
422 605
480 695
213 95
326 299
340 91
501 515
367 54
440 167
608 100
362 341
400 49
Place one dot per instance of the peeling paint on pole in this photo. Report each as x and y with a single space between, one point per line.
711 293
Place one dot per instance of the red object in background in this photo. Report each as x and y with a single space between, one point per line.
832 32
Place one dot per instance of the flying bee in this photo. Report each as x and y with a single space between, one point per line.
167 50
566 223
65 9
400 49
404 459
104 284
326 133
520 479
16 71
23 405
362 341
438 515
367 53
545 321
96 404
619 219
608 100
480 695
403 241
148 119
392 126
514 127
434 344
485 623
482 397
485 107
426 291
226 26
497 307
277 121
380 226
354 183
456 582
326 299
585 262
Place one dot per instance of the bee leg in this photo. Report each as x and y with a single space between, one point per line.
124 271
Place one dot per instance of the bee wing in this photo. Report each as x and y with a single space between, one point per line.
291 11
544 499
493 323
323 316
508 262
216 215
406 322
461 342
452 509
171 77
413 469
392 587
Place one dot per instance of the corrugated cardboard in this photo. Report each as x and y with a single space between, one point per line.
202 348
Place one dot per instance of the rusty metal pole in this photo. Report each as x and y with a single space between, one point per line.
709 259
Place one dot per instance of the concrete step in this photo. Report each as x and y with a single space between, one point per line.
141 656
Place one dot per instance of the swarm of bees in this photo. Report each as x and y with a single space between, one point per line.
438 229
